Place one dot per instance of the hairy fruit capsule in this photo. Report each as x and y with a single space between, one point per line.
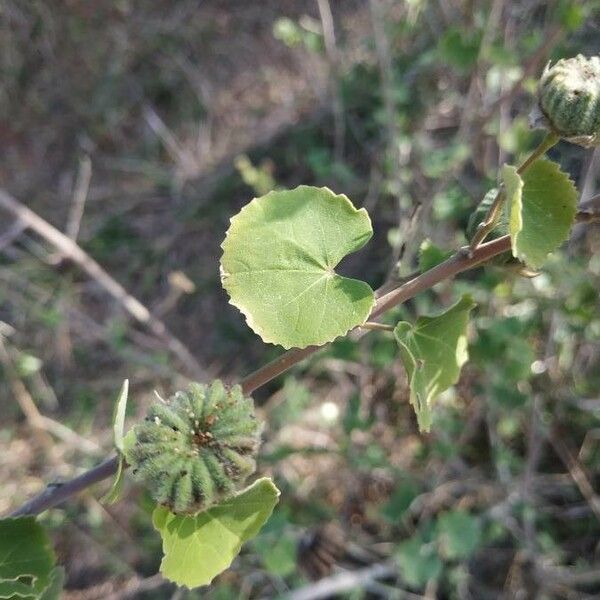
569 99
197 448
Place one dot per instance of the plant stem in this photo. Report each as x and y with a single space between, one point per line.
550 140
55 494
493 214
373 326
459 262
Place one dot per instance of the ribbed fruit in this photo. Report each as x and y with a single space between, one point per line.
569 98
197 448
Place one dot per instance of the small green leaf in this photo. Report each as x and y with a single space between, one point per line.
55 585
116 488
119 416
199 547
431 255
513 188
459 47
278 266
118 427
418 562
433 352
542 210
26 558
277 554
114 494
459 534
400 501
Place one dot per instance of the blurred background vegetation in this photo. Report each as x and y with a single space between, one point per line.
141 127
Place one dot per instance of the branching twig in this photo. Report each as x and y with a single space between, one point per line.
463 260
133 306
576 471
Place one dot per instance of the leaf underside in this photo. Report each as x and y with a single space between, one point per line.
278 264
542 205
199 547
433 352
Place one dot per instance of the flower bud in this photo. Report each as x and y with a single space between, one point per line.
569 99
197 448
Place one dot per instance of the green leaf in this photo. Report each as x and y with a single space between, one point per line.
116 488
418 562
513 188
199 547
277 554
55 586
400 501
542 210
459 534
433 352
431 255
459 48
278 266
119 416
118 427
26 558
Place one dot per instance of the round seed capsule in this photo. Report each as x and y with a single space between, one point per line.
197 448
569 99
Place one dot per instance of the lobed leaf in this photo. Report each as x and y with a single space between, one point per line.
433 352
199 547
278 264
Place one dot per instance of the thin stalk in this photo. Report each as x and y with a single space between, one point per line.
463 260
373 326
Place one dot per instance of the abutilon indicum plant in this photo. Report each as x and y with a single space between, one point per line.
195 450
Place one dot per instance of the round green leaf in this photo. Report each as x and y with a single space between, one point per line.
199 547
542 210
278 264
433 352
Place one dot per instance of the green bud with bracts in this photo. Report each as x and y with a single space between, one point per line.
197 448
569 99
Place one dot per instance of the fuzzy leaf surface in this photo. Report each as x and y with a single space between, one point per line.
278 264
199 547
433 352
26 558
542 210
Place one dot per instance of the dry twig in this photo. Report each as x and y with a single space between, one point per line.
74 252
